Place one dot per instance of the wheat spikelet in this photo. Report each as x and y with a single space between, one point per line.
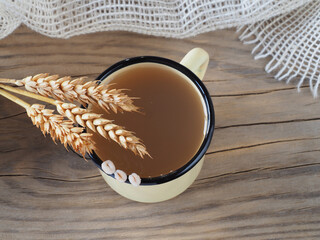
67 134
103 126
78 90
60 129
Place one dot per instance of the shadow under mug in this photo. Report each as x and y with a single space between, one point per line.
164 187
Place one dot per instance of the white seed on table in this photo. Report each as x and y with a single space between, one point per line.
108 167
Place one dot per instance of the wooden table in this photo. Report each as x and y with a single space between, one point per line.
260 179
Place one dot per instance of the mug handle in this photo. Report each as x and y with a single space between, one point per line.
197 61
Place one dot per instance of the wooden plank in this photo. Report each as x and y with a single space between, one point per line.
260 179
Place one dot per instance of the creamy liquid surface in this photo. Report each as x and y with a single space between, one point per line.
171 126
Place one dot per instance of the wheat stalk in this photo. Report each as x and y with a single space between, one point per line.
27 94
76 90
103 126
68 134
95 122
55 125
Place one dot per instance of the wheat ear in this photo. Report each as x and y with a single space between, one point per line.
77 90
60 129
95 122
103 126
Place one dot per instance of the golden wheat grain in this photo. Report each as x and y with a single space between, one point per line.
91 120
103 126
78 90
67 134
60 129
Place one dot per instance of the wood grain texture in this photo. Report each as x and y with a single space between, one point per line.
260 179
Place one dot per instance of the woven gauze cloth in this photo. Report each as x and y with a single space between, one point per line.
285 30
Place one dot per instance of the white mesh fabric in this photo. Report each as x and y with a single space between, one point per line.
286 30
169 18
293 42
8 21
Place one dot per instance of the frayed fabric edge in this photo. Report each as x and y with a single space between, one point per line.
250 36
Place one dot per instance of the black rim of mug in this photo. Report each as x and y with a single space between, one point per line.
208 103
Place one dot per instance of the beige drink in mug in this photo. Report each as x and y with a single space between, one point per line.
175 122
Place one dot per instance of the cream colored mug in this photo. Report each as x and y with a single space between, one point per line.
165 187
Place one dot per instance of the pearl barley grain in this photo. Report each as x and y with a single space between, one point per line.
135 179
120 175
108 167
